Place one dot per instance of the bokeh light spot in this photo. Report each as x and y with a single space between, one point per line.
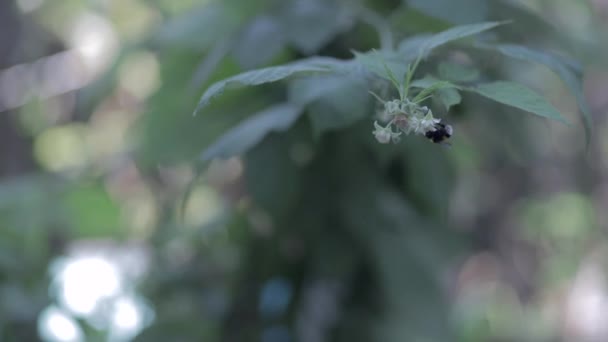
140 74
56 326
61 148
84 282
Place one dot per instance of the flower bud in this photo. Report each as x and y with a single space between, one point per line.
392 107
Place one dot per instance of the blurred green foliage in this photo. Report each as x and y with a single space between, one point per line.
273 214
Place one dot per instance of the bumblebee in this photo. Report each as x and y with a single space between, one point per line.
441 133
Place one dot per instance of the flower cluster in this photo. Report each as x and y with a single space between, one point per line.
404 117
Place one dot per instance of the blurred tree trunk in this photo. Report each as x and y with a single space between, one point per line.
15 150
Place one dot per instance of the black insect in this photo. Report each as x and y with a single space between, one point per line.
441 133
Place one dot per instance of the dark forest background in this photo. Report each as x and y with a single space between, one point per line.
113 229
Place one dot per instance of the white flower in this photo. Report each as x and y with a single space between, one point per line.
382 134
415 125
407 117
422 125
392 107
401 121
383 116
428 122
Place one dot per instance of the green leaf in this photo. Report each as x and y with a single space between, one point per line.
445 89
425 45
457 12
253 48
557 65
93 213
268 75
457 72
534 26
411 47
432 89
248 133
341 107
425 82
449 97
201 27
518 96
273 179
409 19
337 100
447 92
306 90
383 64
311 24
431 82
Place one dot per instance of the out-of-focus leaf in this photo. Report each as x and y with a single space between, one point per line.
406 256
94 93
272 177
268 75
564 220
92 212
28 203
382 63
27 190
431 175
426 45
447 92
457 12
19 302
306 90
431 82
260 41
9 260
411 47
572 63
457 72
179 327
342 106
430 85
449 97
518 96
201 28
310 24
251 131
209 65
532 26
168 133
557 65
410 19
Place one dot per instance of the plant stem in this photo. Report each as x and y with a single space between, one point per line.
410 74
